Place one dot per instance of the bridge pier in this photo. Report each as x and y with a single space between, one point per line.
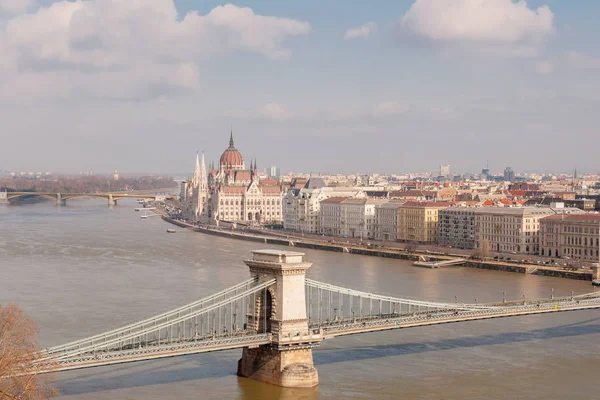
3 198
60 201
288 360
111 201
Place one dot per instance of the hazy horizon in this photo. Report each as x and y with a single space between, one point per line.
337 87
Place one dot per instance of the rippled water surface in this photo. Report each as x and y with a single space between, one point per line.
84 268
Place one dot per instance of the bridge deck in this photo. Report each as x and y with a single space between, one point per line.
372 324
152 352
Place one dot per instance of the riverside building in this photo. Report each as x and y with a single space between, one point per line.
418 220
456 227
231 193
576 236
510 229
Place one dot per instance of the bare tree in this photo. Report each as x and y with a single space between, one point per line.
18 352
483 251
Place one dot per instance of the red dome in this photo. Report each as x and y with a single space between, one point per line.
231 156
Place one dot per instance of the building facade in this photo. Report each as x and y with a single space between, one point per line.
456 227
418 220
231 193
331 216
576 236
510 229
302 207
386 221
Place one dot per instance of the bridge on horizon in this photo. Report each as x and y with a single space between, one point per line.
278 316
111 197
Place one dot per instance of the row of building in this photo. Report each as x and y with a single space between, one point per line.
488 219
548 231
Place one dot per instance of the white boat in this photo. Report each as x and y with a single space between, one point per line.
170 230
596 282
144 216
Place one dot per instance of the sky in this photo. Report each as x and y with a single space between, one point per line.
315 86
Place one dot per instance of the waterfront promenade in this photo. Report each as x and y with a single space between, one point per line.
380 251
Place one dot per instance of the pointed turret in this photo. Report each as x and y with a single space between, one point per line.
231 138
197 172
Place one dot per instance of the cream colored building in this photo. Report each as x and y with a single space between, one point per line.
510 229
576 236
353 218
302 207
331 216
418 220
386 221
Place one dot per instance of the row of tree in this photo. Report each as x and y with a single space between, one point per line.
87 184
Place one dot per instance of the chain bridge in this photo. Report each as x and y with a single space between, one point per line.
277 317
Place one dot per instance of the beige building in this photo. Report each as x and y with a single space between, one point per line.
331 216
418 220
302 207
510 229
576 236
386 221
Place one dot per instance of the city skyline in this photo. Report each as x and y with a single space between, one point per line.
336 88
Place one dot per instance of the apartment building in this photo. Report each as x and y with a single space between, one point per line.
386 220
576 236
510 229
331 216
456 227
418 220
301 207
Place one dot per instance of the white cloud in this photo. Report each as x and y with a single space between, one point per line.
582 61
389 108
15 6
361 32
502 26
544 67
275 112
133 48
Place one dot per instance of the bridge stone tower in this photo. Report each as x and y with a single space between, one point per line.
287 361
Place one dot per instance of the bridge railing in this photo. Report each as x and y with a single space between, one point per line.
199 304
327 301
225 314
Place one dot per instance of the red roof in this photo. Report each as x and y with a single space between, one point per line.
333 200
243 176
269 181
233 189
270 189
438 204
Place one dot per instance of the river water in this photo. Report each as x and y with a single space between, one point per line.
84 268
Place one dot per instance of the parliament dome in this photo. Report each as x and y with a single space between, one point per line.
231 157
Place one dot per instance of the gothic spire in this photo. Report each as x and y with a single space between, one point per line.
255 167
231 138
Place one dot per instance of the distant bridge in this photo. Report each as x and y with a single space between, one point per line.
277 317
61 198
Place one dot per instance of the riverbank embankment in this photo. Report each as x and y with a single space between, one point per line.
385 253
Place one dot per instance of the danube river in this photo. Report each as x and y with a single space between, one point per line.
84 268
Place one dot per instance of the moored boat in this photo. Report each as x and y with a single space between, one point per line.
170 230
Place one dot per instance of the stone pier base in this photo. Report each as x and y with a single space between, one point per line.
289 368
